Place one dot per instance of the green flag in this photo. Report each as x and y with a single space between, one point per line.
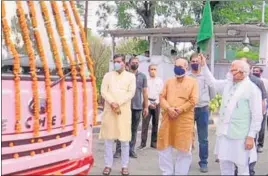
206 28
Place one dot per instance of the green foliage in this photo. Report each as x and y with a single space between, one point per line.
100 54
132 46
145 14
238 12
215 103
253 55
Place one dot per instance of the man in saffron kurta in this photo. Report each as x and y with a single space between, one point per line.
118 88
177 100
239 120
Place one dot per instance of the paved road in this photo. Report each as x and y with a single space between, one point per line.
147 161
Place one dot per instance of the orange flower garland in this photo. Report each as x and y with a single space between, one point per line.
78 54
44 62
30 52
88 59
16 68
60 28
56 57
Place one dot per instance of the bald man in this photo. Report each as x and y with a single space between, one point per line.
240 118
177 100
260 84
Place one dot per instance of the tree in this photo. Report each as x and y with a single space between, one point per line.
132 46
149 14
100 54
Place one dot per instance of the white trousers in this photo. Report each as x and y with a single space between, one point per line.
108 155
182 163
228 168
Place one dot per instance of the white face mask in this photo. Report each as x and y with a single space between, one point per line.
229 76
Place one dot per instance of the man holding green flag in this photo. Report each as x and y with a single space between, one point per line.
206 28
201 111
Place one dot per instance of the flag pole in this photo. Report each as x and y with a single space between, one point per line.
212 54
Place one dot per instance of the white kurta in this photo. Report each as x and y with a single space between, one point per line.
234 149
120 89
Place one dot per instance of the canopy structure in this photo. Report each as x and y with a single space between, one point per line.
222 34
231 32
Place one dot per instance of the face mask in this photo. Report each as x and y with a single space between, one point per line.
257 75
117 66
179 71
229 76
195 66
134 67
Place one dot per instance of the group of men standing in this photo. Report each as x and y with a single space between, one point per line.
183 100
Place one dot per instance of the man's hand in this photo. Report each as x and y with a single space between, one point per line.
178 111
145 112
152 106
172 112
115 108
203 59
114 105
249 143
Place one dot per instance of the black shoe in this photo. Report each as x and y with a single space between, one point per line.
133 155
141 147
117 154
259 149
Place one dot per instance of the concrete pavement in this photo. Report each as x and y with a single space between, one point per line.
147 161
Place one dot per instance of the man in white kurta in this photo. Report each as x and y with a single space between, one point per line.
117 89
239 120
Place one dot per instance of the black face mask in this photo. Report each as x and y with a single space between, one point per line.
257 75
134 67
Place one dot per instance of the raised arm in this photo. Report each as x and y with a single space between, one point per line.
218 85
107 96
130 92
256 112
193 99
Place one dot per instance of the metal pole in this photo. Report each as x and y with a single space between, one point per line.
85 18
263 13
212 54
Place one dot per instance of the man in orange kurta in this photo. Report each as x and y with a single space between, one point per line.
177 100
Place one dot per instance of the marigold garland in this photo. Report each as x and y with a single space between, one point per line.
78 54
88 59
44 62
30 52
16 68
67 52
56 57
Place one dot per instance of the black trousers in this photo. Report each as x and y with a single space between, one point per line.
154 114
262 132
136 117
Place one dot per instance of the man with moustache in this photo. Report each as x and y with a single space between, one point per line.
139 106
177 100
201 109
155 85
240 118
117 89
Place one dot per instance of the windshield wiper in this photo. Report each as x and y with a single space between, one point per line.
67 74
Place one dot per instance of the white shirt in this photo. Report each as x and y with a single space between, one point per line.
155 86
